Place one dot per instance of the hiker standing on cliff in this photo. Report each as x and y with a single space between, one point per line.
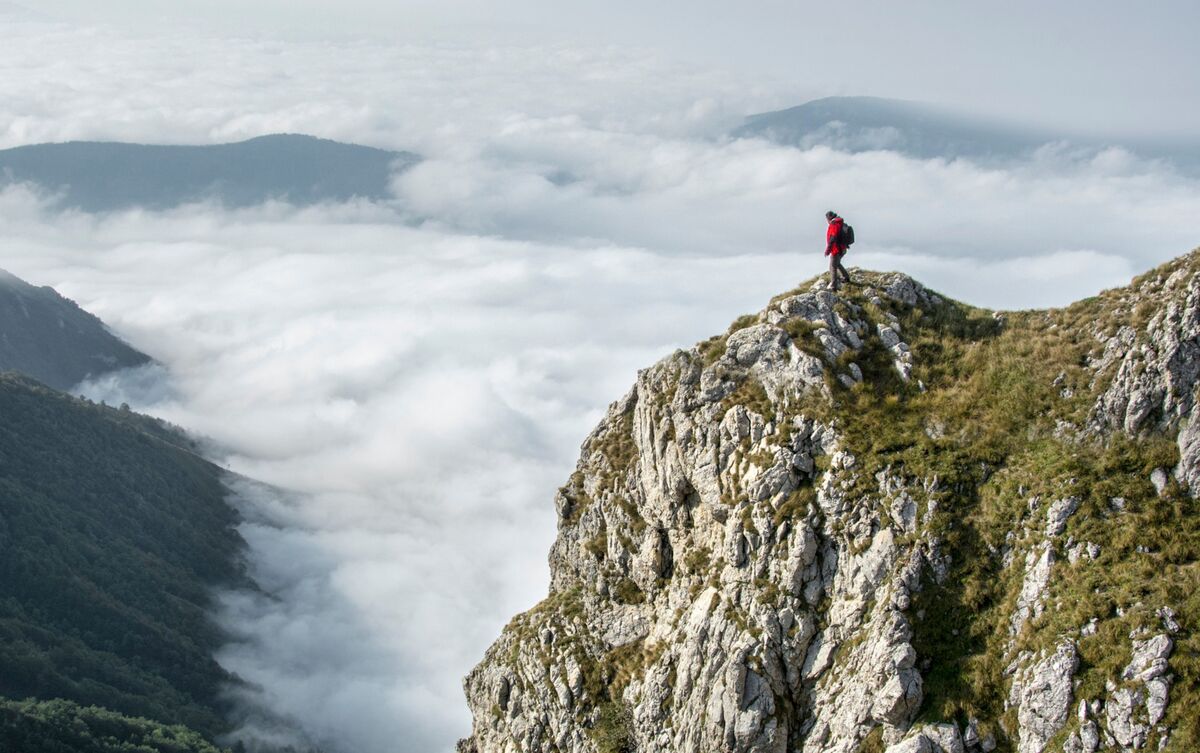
838 238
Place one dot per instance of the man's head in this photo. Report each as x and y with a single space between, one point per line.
830 215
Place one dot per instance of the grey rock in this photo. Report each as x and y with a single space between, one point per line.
1149 658
931 738
1042 695
970 737
1084 740
1159 478
1038 565
1169 619
888 336
945 737
1057 514
917 744
1122 724
746 573
1157 696
907 290
818 659
1089 737
1188 470
1153 372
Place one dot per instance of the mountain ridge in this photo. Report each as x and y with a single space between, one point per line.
52 339
879 520
101 176
860 124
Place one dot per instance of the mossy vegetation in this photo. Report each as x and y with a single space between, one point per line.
630 662
598 544
753 396
576 499
636 522
713 348
990 419
605 674
612 732
873 742
619 449
804 335
698 560
797 505
625 591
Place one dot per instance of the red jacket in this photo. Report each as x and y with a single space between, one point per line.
833 237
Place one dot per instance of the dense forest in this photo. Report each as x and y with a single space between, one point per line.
65 727
113 536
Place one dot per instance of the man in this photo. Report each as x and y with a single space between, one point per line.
834 248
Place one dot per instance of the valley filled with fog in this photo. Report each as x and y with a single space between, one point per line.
400 385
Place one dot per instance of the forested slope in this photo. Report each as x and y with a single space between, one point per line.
53 340
113 535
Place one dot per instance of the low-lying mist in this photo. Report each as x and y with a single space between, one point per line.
408 382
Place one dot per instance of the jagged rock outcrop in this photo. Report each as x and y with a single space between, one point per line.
852 522
1041 693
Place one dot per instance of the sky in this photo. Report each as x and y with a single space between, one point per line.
1095 65
401 386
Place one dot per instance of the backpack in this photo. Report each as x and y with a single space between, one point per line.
847 236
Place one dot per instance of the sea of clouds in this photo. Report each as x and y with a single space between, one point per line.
400 387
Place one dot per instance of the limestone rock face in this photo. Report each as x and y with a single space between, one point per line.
1042 695
712 587
737 570
1156 368
1153 371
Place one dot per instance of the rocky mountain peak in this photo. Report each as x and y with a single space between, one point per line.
877 520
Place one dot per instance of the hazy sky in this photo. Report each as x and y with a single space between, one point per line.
416 376
1089 64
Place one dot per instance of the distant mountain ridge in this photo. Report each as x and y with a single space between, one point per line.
105 176
51 339
13 11
859 124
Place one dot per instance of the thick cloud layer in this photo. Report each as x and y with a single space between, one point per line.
421 394
416 377
1102 64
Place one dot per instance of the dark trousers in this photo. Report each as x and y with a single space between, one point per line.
835 267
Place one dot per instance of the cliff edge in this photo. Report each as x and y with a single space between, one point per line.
879 521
